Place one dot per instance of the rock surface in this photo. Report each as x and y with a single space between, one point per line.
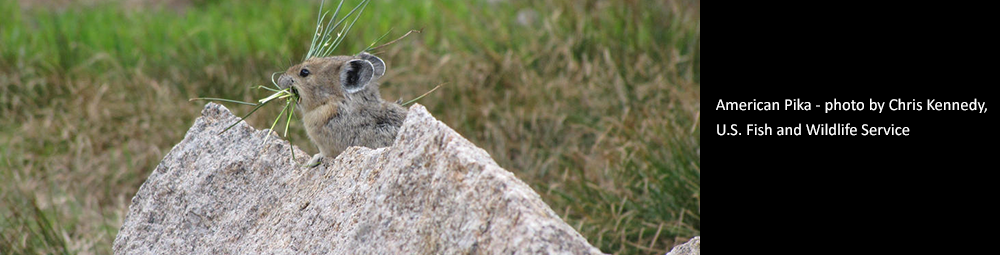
691 247
431 192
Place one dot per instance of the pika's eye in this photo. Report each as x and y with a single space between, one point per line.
304 72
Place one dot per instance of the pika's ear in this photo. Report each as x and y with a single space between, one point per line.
376 62
356 74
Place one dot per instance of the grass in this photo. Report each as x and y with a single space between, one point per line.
595 104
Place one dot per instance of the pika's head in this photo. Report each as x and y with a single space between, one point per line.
319 81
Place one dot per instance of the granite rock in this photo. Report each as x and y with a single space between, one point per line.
432 191
691 247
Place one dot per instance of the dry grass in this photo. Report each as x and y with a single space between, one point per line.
595 104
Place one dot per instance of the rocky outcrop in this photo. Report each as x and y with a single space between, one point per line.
691 247
432 192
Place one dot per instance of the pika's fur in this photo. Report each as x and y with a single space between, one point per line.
341 105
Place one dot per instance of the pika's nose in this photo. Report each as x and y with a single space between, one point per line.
285 81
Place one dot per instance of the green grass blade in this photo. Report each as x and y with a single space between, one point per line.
345 29
393 41
278 94
269 89
328 29
271 129
317 31
274 82
316 34
221 100
288 123
243 118
290 112
377 40
422 96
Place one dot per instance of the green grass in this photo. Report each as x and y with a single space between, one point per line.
595 104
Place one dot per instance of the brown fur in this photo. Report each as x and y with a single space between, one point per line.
334 117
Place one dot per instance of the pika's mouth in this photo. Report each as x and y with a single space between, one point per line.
295 92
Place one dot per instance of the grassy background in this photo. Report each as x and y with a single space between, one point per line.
595 104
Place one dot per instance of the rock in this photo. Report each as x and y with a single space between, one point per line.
691 247
432 191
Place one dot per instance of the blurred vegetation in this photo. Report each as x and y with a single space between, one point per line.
595 104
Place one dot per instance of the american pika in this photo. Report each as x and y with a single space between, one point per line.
340 103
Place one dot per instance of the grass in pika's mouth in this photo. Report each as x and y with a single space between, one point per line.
324 41
290 96
322 45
